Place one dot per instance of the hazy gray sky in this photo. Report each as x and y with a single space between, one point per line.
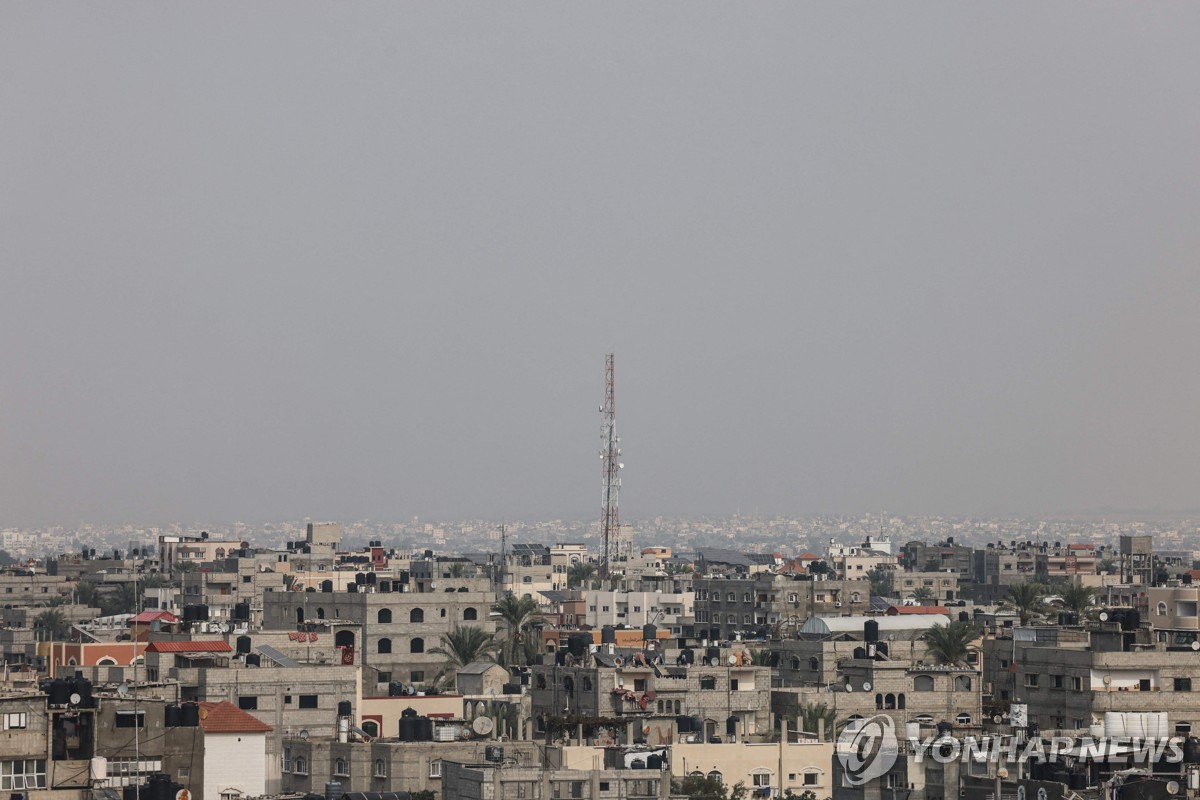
276 260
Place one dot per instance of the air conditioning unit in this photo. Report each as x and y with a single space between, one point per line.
838 604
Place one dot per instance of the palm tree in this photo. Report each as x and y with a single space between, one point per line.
122 601
1027 599
86 594
809 718
761 657
949 644
580 574
462 646
458 569
54 602
155 580
517 614
1078 598
52 623
923 594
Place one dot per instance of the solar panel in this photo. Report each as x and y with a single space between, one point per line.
278 657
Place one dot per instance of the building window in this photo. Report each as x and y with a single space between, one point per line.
308 701
416 615
301 766
417 646
247 702
385 646
1031 680
287 759
20 720
963 719
708 683
923 683
760 779
384 616
21 774
716 776
812 779
340 768
131 719
470 614
435 769
1181 685
371 728
380 768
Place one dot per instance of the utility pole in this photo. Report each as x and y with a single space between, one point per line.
610 521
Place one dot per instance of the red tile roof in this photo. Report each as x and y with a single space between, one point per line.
894 610
225 717
214 646
155 616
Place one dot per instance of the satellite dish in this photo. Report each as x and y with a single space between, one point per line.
483 726
1104 616
1196 645
1172 787
714 661
1107 680
849 687
75 698
997 719
304 734
866 686
123 689
733 661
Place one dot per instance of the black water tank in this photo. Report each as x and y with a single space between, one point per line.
654 761
689 655
424 729
577 644
698 725
326 586
130 792
637 763
371 578
871 630
1191 750
731 726
684 723
1079 781
344 708
253 660
1062 776
395 688
202 613
243 645
385 586
189 715
408 713
360 578
649 633
608 635
171 717
964 616
352 588
944 728
60 692
83 688
408 729
241 612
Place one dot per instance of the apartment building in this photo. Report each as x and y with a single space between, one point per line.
729 608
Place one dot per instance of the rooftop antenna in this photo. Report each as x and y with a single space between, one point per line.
610 521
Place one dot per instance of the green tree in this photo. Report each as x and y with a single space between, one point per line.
810 717
1027 599
702 787
580 574
123 600
155 580
761 657
949 644
518 615
86 594
458 569
51 624
1078 598
462 646
923 595
881 581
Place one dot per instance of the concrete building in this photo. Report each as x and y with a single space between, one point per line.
727 608
235 753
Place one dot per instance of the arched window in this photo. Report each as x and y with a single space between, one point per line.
963 719
900 700
1162 609
889 702
416 615
923 683
716 776
470 614
731 597
384 616
220 552
385 646
962 683
527 579
107 661
855 597
370 727
380 767
340 768
320 613
878 702
300 766
795 662
814 664
417 646
300 615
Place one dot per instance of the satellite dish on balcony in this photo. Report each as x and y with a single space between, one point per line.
483 726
